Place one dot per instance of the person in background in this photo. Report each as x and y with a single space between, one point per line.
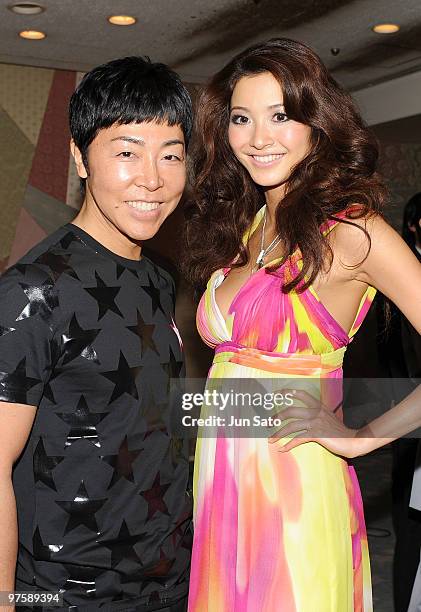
88 344
407 455
411 232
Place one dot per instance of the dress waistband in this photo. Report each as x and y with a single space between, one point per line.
295 364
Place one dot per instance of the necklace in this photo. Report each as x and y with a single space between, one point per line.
265 251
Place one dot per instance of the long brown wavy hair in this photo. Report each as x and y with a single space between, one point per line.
338 171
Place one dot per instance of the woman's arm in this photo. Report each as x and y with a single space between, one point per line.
392 268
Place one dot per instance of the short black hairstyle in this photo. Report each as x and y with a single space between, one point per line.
128 90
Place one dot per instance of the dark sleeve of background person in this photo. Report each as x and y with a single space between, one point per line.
401 355
378 352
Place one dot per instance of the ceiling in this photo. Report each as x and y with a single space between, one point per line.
196 37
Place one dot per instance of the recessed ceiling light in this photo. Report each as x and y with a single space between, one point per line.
26 8
32 34
386 28
122 20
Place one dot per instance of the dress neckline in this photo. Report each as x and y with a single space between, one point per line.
223 272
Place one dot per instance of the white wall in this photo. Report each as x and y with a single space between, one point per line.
391 100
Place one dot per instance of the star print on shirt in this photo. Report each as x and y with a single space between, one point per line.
81 580
6 330
145 332
44 551
181 530
122 547
15 386
174 367
155 497
67 240
124 379
159 572
122 462
154 598
157 273
77 342
173 296
57 265
82 423
120 269
48 390
155 295
104 297
22 268
44 465
41 301
81 510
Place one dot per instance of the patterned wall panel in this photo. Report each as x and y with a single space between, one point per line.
23 95
51 162
34 157
29 233
16 153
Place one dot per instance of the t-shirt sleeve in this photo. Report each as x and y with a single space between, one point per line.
28 304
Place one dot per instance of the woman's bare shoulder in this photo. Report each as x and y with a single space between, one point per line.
355 239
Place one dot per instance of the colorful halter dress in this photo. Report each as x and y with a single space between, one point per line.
276 532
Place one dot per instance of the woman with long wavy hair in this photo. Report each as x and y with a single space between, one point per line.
286 231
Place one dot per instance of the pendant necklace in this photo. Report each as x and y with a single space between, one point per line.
265 251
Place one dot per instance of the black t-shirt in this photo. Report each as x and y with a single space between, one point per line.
102 485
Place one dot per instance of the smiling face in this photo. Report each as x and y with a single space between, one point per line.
264 140
137 174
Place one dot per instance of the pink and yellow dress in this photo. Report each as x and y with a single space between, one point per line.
276 532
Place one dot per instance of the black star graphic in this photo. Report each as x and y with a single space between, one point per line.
57 265
160 570
6 330
104 296
48 390
42 301
82 423
122 547
81 580
81 510
22 268
173 296
41 550
78 342
124 379
155 296
155 270
122 462
17 383
155 497
120 269
67 240
44 465
154 598
145 332
182 530
54 373
174 367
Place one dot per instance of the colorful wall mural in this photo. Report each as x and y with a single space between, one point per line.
39 188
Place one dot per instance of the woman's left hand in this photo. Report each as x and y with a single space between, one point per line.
315 423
